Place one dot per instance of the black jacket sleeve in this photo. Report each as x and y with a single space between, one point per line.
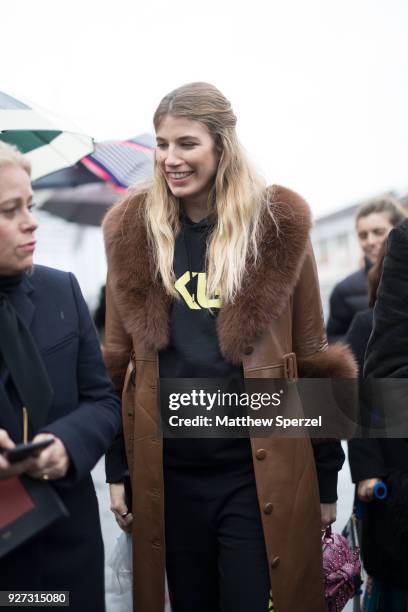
339 317
365 455
387 354
366 460
115 460
358 335
329 458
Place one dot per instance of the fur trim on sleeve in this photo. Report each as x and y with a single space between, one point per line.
336 361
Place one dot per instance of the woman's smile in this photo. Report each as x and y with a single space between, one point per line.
178 178
188 158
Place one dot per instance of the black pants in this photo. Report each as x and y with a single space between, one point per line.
215 550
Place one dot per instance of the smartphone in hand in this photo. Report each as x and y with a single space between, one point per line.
24 451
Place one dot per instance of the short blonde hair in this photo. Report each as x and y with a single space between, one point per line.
11 156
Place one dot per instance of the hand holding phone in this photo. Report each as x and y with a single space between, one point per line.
53 462
20 452
7 469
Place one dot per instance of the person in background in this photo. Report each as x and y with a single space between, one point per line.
385 523
53 384
211 275
374 221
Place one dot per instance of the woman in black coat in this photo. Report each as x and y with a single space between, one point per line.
52 385
371 460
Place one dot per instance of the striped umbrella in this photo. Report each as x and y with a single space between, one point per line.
48 141
122 162
115 164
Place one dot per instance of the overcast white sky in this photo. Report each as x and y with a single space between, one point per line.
320 87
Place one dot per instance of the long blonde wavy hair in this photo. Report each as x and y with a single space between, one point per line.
237 197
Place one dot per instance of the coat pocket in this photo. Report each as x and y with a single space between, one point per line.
63 342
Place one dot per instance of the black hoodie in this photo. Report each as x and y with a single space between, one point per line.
194 352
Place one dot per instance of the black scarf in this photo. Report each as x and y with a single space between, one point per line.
20 356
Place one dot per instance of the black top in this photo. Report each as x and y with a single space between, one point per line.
358 335
193 350
347 298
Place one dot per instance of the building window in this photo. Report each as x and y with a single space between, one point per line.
322 254
343 254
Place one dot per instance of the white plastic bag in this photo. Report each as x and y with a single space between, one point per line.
119 585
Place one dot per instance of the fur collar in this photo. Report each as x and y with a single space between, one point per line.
144 306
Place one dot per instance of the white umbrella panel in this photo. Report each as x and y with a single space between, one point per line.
48 141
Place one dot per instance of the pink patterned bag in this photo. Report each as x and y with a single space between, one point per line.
341 568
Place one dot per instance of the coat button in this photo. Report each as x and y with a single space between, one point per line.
275 562
268 508
248 350
260 454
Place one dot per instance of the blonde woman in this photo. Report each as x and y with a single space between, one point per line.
53 385
211 275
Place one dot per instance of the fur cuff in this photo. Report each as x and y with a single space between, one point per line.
336 361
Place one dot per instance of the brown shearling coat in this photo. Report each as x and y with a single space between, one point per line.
275 329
